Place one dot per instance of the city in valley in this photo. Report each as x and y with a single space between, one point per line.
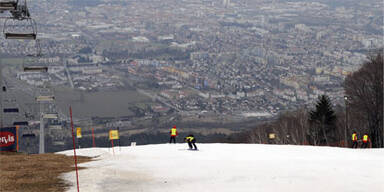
212 67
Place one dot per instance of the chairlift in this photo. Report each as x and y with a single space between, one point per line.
24 29
29 134
22 26
28 137
58 139
8 5
34 58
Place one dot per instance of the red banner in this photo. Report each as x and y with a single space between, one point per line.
8 139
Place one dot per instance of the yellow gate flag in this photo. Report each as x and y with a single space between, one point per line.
78 132
113 134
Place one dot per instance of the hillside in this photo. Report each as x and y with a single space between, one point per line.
34 173
230 168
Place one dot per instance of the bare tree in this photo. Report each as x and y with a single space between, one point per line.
302 125
365 90
290 128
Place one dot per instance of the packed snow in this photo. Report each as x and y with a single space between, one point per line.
229 168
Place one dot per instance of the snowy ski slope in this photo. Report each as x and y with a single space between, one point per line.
230 168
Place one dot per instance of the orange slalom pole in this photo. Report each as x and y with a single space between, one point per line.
17 138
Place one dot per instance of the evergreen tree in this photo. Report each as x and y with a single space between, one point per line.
322 120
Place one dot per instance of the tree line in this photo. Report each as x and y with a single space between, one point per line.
327 124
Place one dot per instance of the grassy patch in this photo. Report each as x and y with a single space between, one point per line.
35 173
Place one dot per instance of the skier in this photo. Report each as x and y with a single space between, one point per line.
191 141
365 141
173 133
354 140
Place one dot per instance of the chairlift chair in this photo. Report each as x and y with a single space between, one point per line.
8 5
55 124
29 116
20 35
50 116
35 67
45 98
27 139
38 53
55 127
61 143
57 136
21 123
20 14
11 110
28 135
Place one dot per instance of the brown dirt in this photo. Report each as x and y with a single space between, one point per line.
35 173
